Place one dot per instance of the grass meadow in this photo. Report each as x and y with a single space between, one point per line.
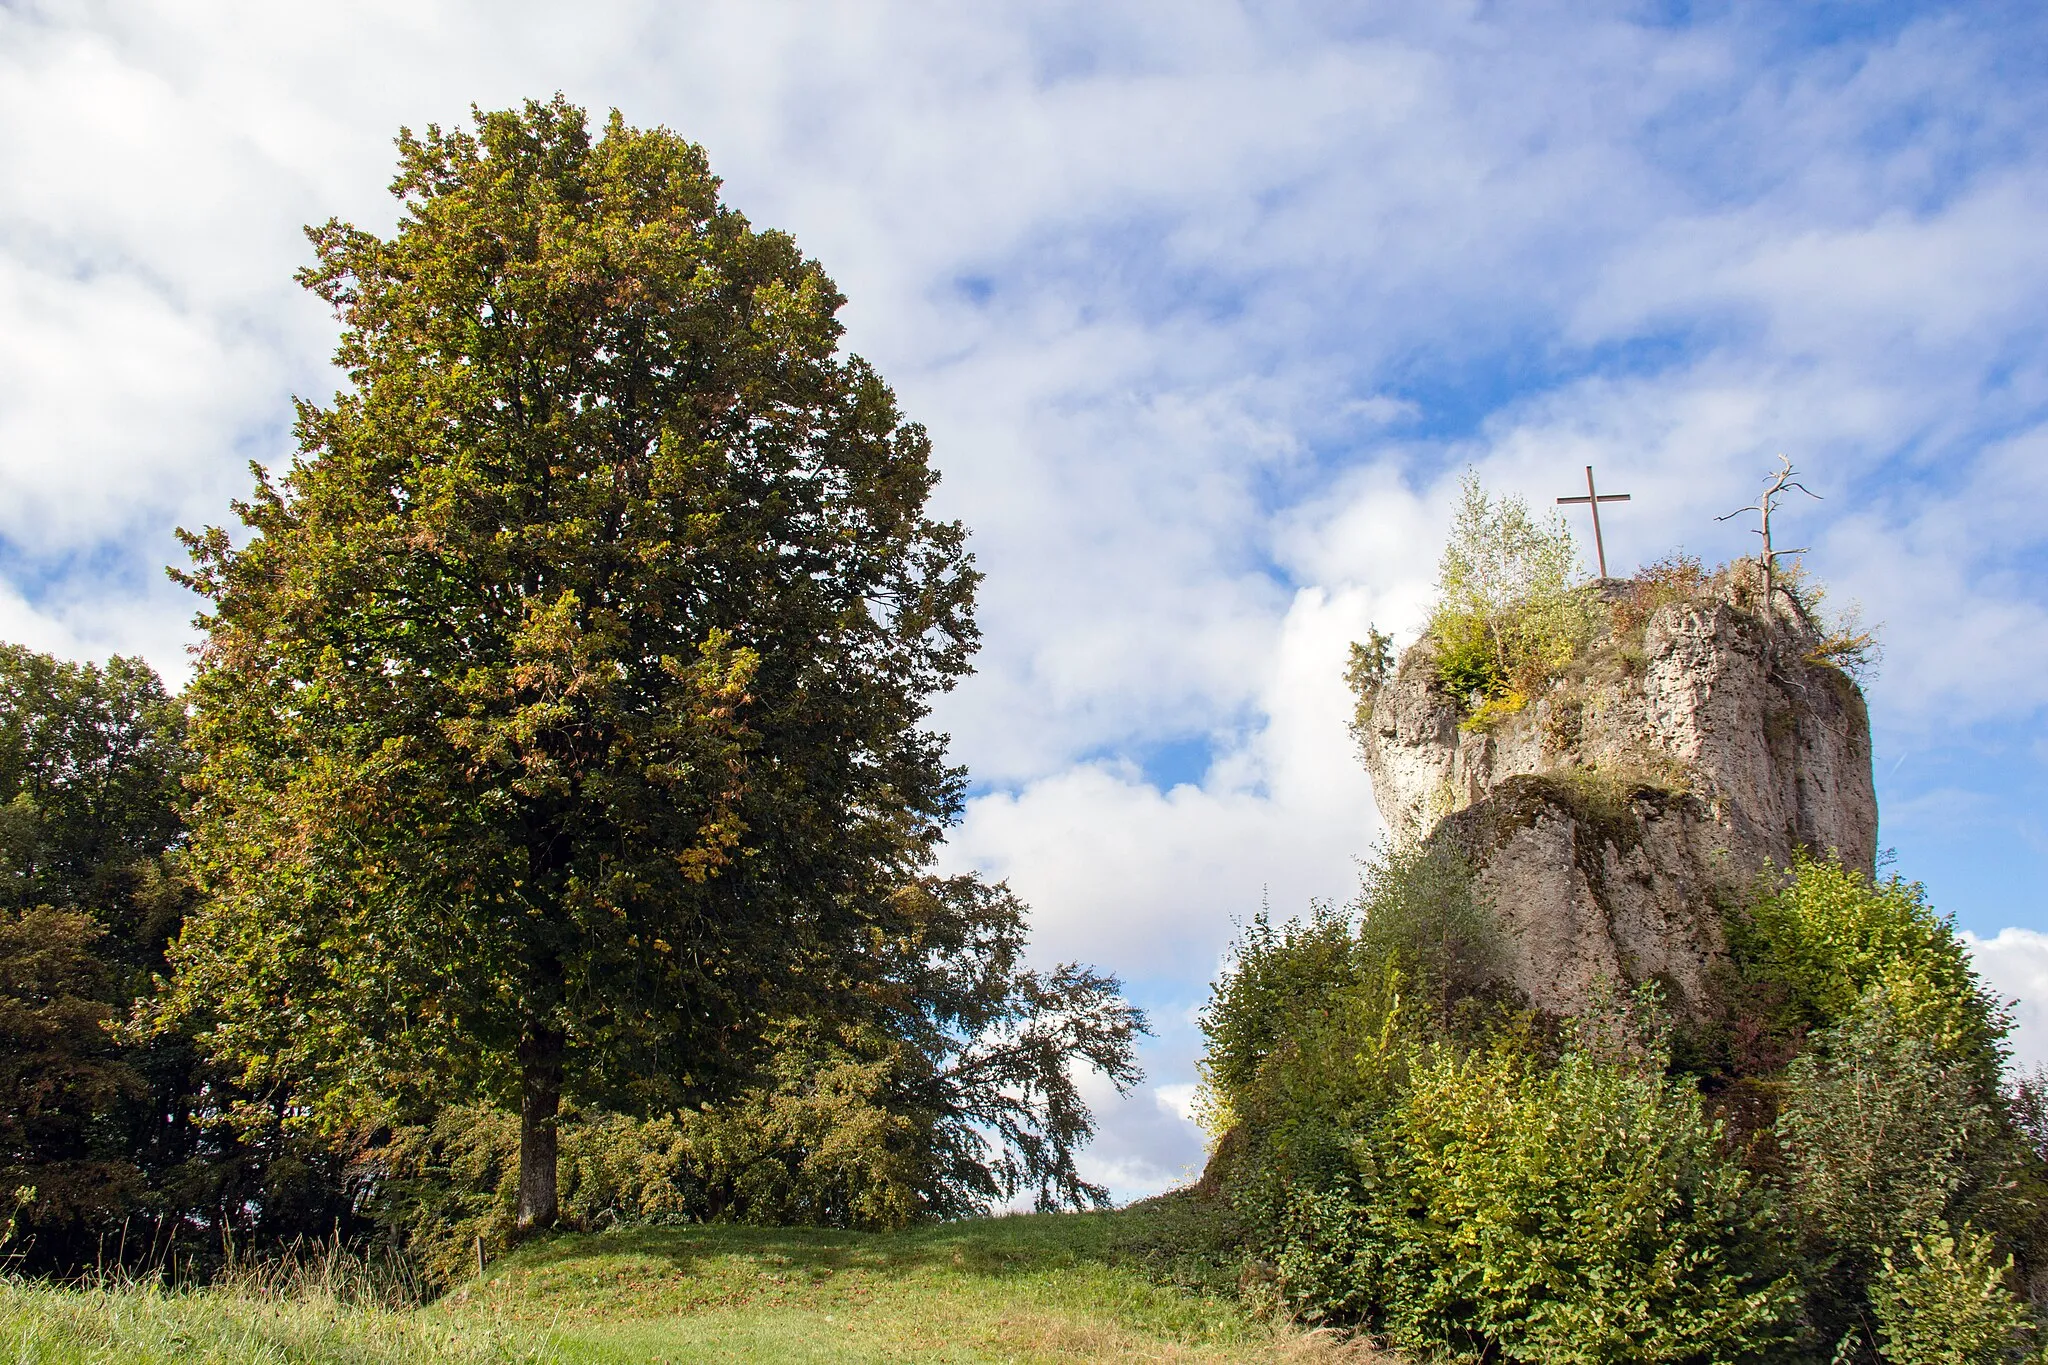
1060 1287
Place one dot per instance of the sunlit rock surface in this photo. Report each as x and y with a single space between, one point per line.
1612 816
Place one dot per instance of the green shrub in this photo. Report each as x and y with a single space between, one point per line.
1582 1211
1510 1208
1947 1303
1883 1135
1425 951
1828 934
1412 1156
1877 1128
1468 659
1275 974
1311 1031
1419 914
1509 614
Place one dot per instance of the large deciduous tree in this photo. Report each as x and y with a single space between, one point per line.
560 712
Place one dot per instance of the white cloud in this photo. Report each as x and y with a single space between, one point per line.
1177 1100
2014 964
1149 882
1147 1143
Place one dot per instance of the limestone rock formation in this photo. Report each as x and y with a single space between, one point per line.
1611 817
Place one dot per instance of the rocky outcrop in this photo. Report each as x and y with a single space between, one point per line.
1611 817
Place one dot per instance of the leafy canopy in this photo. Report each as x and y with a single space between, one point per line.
90 760
560 715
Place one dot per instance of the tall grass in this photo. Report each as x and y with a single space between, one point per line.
148 1324
328 1271
313 1301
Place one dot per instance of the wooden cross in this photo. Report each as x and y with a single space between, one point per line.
1593 500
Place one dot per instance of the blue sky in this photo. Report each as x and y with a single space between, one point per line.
1206 306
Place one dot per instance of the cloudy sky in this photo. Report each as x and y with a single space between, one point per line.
1206 306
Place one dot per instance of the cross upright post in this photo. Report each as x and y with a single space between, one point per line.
1593 499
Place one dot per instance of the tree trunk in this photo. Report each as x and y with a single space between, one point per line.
540 1099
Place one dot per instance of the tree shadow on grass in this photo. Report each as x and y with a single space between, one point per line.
999 1246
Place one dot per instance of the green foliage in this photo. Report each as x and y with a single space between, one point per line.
547 615
1274 974
1947 1303
1411 1157
1370 663
1582 1211
1365 672
1887 1137
988 1055
1468 658
1310 1032
1891 1123
1420 930
1420 916
1876 1126
561 713
1509 614
1846 643
59 1072
91 762
1576 1209
113 1132
89 765
1826 935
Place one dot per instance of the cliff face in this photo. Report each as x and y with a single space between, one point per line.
1610 817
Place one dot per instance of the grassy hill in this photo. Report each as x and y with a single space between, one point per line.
1118 1286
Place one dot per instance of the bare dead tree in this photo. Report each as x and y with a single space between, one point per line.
1775 487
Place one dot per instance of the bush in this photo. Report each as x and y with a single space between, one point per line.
1677 577
1274 975
1416 1158
1883 1136
1583 1211
1413 1157
1419 915
1877 1129
1508 1207
1423 942
1948 1304
1828 934
1508 615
